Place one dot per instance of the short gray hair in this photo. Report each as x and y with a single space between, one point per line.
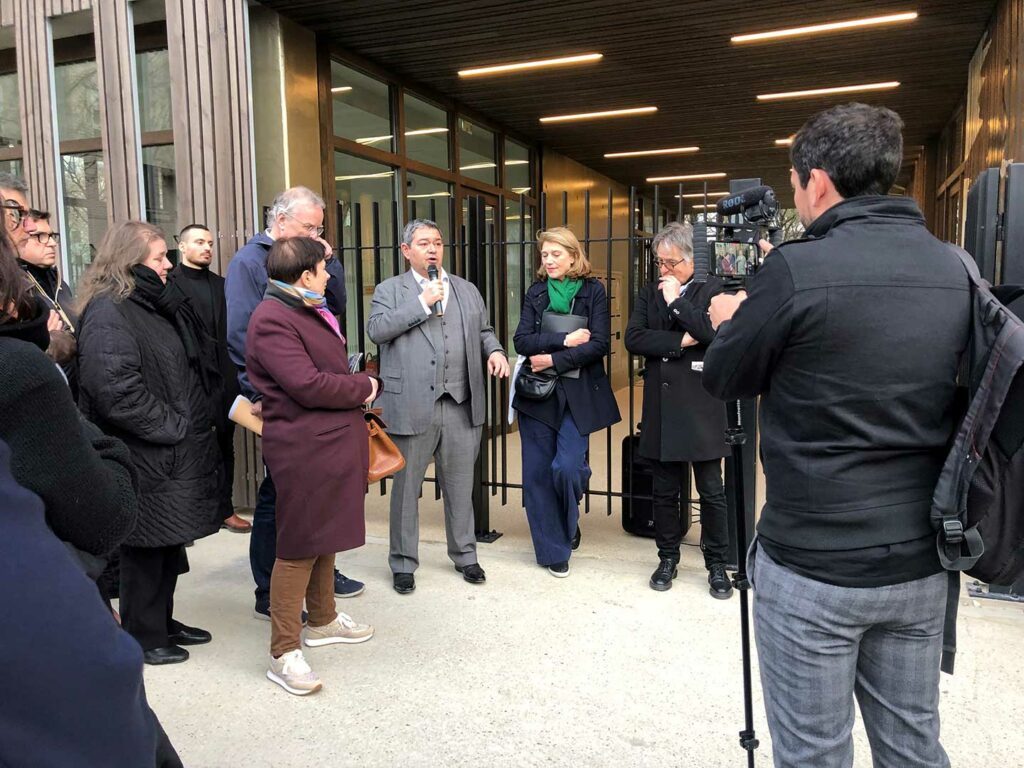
10 181
290 199
675 234
410 229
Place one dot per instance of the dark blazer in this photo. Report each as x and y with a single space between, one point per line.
137 385
589 398
314 436
681 421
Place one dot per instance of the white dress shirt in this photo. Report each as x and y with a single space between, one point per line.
422 281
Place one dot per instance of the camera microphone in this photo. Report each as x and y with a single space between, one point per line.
432 275
762 198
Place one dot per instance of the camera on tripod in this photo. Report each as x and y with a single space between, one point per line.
733 254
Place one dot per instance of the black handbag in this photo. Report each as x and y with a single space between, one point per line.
531 385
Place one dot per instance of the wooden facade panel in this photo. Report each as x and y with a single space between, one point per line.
7 13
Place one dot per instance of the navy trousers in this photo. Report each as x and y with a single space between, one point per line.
555 474
263 539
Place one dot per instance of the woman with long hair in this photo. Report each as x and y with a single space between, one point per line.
146 367
554 430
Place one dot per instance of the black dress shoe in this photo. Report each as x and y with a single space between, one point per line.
185 635
661 579
472 573
576 538
172 654
718 580
404 583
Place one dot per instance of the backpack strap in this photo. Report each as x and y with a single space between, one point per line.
949 625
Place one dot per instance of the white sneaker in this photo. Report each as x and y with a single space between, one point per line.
293 674
342 630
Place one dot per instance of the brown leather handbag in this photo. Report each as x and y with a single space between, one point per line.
385 458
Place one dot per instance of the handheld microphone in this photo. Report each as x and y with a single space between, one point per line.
432 275
762 198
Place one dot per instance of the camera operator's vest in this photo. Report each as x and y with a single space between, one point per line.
448 335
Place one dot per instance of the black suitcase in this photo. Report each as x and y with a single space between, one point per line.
637 485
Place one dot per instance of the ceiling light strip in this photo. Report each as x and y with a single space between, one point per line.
597 115
645 152
690 177
834 26
698 195
827 91
527 65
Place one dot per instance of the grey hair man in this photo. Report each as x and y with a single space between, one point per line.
18 216
434 395
684 426
295 212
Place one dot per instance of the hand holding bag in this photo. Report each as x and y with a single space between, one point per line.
533 385
385 458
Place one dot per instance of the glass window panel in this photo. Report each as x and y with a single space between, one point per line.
359 182
153 73
10 117
476 152
426 132
519 261
517 168
85 209
428 198
14 167
160 186
362 108
78 101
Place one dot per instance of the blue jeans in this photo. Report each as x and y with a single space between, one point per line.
263 539
555 474
819 646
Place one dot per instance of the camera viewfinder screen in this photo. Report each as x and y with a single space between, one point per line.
736 259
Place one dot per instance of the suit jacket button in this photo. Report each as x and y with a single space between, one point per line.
432 387
664 359
665 385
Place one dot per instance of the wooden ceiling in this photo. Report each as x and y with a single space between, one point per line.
673 55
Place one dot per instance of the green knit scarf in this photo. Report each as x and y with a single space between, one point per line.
561 293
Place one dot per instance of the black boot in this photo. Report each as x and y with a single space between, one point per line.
720 586
576 538
661 579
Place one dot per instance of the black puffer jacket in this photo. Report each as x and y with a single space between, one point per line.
136 384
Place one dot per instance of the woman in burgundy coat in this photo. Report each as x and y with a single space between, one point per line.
315 445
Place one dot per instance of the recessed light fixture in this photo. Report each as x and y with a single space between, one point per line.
835 26
374 139
784 142
477 166
382 175
425 131
432 194
705 207
596 115
826 91
341 89
521 191
690 177
517 162
698 195
498 69
643 152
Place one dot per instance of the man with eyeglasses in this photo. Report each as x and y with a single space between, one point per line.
296 212
19 219
683 426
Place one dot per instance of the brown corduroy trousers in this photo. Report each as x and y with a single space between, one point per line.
291 580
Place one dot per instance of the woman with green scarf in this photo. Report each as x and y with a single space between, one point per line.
554 430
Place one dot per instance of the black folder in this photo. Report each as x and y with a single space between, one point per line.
555 322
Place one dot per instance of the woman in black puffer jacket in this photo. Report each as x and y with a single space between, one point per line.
145 370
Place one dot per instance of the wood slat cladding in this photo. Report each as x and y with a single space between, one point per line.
7 13
672 55
60 7
213 151
114 34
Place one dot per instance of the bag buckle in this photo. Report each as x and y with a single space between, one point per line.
953 531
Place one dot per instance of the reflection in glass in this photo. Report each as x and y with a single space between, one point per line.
519 261
10 118
517 167
85 209
428 198
358 184
476 152
362 108
159 181
426 132
78 101
13 167
154 79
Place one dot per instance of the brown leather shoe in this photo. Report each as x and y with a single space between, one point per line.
237 524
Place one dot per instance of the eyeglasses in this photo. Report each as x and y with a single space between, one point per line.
311 229
668 263
45 238
15 209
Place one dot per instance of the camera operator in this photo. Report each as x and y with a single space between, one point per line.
682 425
852 337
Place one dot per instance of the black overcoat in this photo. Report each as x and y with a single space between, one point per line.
136 384
680 421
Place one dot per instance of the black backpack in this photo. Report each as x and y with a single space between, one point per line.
978 505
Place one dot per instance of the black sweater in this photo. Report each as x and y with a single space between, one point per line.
852 336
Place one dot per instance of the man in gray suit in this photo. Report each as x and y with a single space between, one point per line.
434 399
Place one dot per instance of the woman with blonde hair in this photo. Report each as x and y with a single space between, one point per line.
146 367
556 419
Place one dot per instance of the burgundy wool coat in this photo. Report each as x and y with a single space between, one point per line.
314 437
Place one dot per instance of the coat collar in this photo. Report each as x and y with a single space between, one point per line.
868 206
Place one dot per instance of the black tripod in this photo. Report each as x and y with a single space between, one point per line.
737 438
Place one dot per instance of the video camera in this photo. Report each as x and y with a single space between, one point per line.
733 254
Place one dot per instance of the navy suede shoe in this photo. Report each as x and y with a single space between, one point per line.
346 587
